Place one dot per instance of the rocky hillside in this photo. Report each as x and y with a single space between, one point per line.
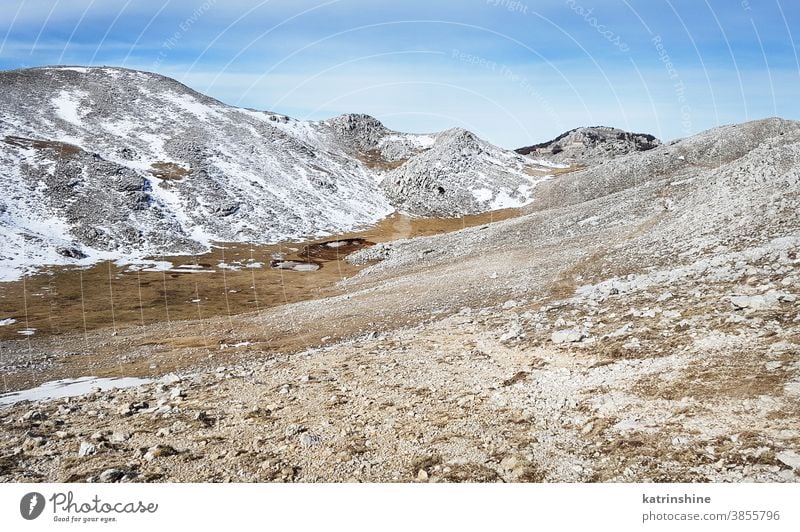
461 174
589 145
641 323
108 163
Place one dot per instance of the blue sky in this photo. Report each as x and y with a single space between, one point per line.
515 72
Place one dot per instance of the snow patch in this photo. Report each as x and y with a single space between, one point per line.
482 195
69 388
66 105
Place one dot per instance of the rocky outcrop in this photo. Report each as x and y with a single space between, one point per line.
587 145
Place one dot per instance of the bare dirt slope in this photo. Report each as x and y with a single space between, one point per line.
640 323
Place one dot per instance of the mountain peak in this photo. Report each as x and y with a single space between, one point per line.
586 144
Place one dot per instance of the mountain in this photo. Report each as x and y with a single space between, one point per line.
110 163
639 322
591 144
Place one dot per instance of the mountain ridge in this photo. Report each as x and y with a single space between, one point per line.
109 163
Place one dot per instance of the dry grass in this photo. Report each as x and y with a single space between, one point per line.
169 171
61 150
375 161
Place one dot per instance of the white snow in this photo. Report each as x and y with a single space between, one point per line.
66 104
69 388
82 70
504 201
191 105
482 194
548 164
7 321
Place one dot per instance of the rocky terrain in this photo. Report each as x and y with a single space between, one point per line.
109 163
591 145
639 322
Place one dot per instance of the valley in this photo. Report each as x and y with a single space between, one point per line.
625 311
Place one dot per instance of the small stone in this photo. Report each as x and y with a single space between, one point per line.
567 336
510 304
422 475
34 415
159 451
789 458
759 302
111 475
664 297
87 449
308 439
32 443
119 437
170 379
292 430
514 331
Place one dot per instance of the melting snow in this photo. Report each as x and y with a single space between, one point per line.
68 388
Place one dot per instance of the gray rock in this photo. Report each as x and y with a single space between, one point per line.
789 458
567 336
514 331
308 439
111 475
87 449
119 437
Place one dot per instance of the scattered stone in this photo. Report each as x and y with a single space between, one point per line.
514 331
33 442
159 451
87 449
177 393
567 336
308 439
767 301
111 475
119 437
789 458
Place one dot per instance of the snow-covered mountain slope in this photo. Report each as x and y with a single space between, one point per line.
461 173
100 163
